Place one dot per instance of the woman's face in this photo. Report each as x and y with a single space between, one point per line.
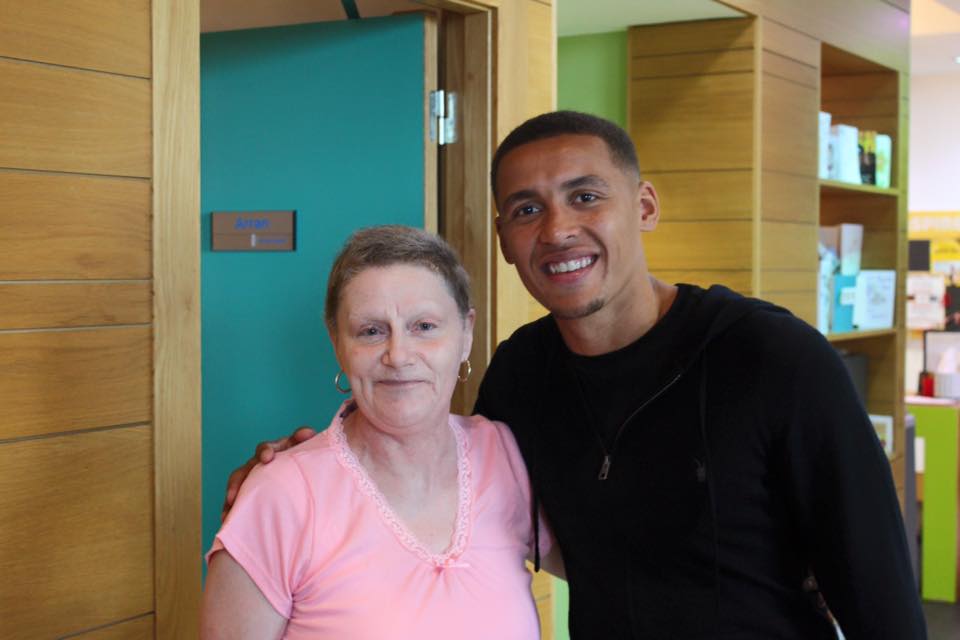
400 340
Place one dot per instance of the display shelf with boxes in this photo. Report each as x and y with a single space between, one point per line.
867 96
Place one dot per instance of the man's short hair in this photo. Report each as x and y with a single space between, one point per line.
559 123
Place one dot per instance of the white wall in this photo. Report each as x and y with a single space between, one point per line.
934 143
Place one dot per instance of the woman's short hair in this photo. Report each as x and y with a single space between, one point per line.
391 244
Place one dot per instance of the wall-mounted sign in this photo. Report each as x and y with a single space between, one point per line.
254 230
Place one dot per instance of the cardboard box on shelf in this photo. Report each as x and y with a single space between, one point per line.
884 160
845 153
844 296
875 297
846 241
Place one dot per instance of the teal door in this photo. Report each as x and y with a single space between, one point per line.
325 119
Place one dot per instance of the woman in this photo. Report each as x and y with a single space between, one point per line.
400 520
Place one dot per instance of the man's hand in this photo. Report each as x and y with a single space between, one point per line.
264 454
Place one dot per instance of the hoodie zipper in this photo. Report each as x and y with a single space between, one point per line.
608 454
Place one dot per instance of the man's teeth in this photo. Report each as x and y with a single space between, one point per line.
570 265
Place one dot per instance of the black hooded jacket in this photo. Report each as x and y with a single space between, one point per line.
747 464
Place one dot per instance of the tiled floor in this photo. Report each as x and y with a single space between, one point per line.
943 620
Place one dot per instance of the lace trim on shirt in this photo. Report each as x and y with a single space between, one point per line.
464 501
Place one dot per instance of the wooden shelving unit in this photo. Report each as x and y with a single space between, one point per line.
871 96
849 336
837 187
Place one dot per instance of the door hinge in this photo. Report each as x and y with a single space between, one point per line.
443 117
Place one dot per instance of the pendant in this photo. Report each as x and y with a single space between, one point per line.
605 468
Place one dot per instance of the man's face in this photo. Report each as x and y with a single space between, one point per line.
570 221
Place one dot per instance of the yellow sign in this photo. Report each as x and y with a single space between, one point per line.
931 225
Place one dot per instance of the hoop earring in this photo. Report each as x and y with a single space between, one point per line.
465 376
336 383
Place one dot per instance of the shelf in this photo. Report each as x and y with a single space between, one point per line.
835 186
860 335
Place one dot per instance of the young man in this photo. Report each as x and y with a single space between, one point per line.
699 455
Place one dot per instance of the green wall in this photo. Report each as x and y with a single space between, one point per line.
592 75
317 119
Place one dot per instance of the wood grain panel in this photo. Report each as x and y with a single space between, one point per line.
866 107
789 125
80 554
790 43
789 198
77 304
695 246
466 199
109 35
871 210
542 51
870 28
703 195
802 304
542 587
70 227
59 119
788 245
55 381
870 86
788 69
687 37
686 64
774 280
739 281
693 123
136 629
176 353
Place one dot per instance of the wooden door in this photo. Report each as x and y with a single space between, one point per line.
317 119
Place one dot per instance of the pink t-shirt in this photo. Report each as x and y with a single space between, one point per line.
324 547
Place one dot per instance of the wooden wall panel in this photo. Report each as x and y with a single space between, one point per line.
136 629
789 126
874 29
686 37
60 119
693 246
107 35
56 381
789 198
740 281
76 544
788 245
789 43
75 304
802 304
703 195
780 66
785 280
693 122
55 226
685 64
